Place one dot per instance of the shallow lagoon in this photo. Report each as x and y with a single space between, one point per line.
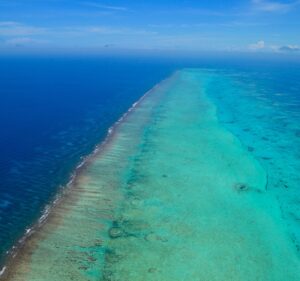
175 193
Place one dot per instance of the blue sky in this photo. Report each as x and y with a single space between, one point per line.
245 25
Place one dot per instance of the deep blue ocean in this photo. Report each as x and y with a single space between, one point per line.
55 110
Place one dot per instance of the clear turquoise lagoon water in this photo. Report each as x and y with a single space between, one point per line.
262 109
198 181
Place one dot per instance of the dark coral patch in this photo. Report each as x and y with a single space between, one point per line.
241 187
250 148
115 232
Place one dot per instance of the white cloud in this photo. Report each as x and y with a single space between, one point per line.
105 7
272 6
23 41
8 23
289 48
11 28
262 46
105 30
257 46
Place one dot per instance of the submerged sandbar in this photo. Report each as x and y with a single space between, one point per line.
172 195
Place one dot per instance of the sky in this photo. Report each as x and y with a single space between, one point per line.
203 25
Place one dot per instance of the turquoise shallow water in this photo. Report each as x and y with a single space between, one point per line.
180 191
263 110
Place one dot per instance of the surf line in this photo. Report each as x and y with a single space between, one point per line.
63 191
